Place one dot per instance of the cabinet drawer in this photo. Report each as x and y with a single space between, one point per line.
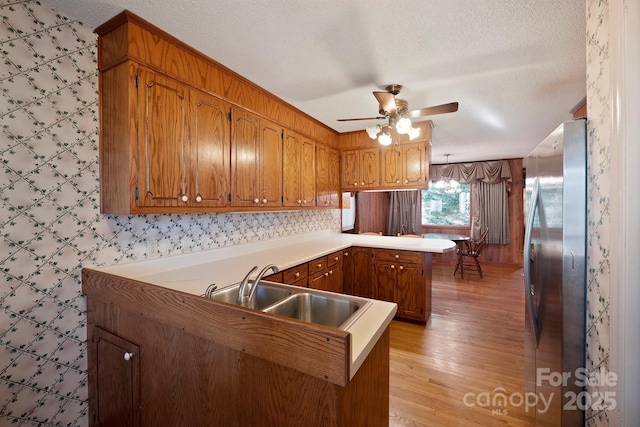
398 256
318 264
334 259
295 274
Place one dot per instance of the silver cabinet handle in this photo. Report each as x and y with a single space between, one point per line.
128 356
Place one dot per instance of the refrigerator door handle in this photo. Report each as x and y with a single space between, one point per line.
528 291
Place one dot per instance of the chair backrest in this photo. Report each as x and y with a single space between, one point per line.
415 236
476 246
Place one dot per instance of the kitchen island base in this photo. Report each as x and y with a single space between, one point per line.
160 357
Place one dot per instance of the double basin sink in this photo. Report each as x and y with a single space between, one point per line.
323 308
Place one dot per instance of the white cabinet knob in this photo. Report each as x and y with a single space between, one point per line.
401 268
346 254
304 202
397 181
336 258
397 256
128 356
393 266
198 198
297 274
319 265
256 201
355 184
264 200
184 198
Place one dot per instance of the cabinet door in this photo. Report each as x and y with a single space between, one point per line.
245 133
114 395
319 280
291 166
410 291
370 168
362 285
322 175
391 167
210 156
334 280
270 164
162 141
308 173
299 171
334 178
415 165
350 169
348 271
385 280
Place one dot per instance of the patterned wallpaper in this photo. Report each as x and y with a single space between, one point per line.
599 195
50 220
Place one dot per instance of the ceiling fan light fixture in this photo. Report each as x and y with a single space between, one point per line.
414 133
404 126
372 131
385 138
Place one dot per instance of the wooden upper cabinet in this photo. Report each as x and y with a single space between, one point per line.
391 167
360 169
256 157
183 143
162 141
350 162
328 176
210 151
299 171
404 165
167 141
415 164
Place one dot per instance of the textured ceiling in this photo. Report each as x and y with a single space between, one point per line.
516 67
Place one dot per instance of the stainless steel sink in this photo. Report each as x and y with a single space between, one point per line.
315 308
265 296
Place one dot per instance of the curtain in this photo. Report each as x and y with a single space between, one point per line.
405 213
490 209
489 192
468 173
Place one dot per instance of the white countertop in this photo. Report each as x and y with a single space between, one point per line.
192 273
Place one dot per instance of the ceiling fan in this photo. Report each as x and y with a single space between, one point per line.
396 110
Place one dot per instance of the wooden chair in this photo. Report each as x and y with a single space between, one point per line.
471 249
415 236
370 233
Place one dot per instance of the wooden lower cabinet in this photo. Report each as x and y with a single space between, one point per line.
362 273
404 277
325 273
196 362
114 370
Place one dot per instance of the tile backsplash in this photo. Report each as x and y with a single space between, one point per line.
50 219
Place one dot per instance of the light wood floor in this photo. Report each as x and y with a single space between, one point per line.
472 345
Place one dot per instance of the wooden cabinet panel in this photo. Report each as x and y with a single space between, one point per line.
415 165
317 265
348 272
162 141
401 277
328 176
295 274
211 163
391 167
299 170
362 285
256 156
114 394
370 168
350 163
410 291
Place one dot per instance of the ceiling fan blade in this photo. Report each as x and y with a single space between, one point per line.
387 102
361 118
432 111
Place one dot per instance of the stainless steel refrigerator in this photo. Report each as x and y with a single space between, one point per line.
555 276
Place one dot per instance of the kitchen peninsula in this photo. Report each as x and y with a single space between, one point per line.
170 355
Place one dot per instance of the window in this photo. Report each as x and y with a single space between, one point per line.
446 204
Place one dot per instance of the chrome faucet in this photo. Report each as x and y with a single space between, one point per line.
246 290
